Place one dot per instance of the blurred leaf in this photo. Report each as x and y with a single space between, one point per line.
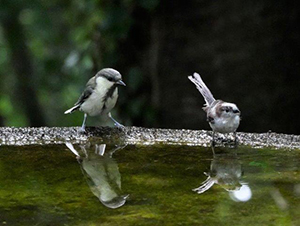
5 105
258 164
149 4
134 78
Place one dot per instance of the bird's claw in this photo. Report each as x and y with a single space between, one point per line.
81 130
118 125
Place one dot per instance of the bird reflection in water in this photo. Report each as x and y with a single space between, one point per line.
101 172
226 171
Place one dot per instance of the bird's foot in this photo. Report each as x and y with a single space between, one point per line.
224 141
231 142
213 143
82 130
119 125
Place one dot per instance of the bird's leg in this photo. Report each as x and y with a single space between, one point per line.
82 129
213 150
235 138
213 143
115 121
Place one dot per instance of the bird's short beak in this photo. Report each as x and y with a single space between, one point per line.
236 112
120 82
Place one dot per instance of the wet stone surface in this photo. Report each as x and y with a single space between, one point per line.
139 135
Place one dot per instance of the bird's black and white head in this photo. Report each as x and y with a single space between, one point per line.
227 110
109 77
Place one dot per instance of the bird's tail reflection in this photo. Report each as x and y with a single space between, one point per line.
205 185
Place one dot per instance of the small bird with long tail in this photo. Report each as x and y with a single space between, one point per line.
223 117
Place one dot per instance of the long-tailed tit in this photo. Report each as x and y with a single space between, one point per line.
223 117
100 95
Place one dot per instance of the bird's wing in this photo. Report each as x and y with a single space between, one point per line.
90 86
200 85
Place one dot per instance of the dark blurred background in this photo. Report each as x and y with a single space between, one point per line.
246 51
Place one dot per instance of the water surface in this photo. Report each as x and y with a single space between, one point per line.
98 184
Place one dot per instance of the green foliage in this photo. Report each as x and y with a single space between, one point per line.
7 110
68 42
155 44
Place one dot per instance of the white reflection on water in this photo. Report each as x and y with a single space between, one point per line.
244 194
101 172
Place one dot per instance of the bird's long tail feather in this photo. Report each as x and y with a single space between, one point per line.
200 85
71 110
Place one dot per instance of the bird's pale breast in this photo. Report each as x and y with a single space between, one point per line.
95 105
227 125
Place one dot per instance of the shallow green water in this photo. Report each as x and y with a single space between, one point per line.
49 185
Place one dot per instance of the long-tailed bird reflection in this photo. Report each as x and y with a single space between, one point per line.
101 172
226 171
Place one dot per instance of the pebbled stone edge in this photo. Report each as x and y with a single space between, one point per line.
138 135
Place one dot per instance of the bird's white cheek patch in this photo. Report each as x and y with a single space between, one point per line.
103 85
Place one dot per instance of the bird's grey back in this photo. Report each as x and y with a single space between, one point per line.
212 105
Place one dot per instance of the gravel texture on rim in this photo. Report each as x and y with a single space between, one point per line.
139 136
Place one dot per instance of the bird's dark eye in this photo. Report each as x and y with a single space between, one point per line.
110 79
227 109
